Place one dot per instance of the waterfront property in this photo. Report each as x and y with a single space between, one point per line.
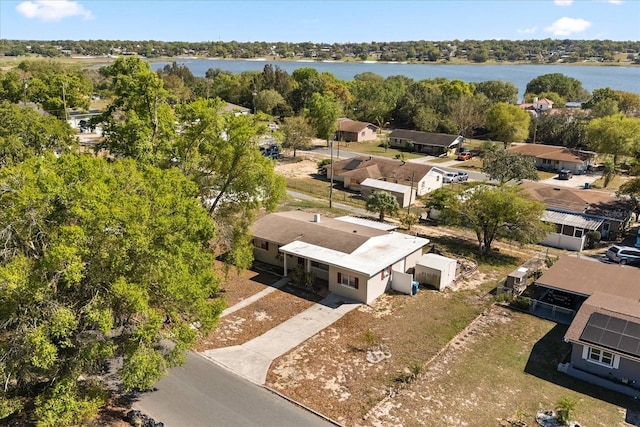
359 259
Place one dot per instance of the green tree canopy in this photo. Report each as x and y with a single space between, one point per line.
498 91
615 135
297 132
323 112
508 123
24 132
383 203
567 87
504 166
631 189
492 212
101 261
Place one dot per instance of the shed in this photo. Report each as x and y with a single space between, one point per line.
436 270
516 281
403 193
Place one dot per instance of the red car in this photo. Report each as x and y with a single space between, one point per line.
465 155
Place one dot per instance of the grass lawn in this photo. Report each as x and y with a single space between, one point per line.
545 175
506 369
320 189
614 184
376 148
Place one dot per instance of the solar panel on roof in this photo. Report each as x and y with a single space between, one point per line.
612 333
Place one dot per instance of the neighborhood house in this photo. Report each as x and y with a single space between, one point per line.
353 173
601 303
552 158
575 212
354 131
434 144
357 258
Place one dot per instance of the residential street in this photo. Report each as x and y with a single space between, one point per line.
203 394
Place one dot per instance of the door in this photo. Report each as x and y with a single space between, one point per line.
605 230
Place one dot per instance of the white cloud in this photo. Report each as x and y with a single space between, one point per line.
568 26
563 2
614 1
52 10
527 30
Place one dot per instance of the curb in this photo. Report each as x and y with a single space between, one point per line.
302 406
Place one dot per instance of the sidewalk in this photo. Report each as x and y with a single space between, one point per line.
253 359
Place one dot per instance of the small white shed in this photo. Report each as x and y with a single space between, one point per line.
436 270
403 193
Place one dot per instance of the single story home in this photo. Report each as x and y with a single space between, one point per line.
237 110
434 144
404 194
357 258
601 304
353 172
554 158
354 131
75 117
575 212
538 105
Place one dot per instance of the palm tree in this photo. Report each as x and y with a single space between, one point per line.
383 203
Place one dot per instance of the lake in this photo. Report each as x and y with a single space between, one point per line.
592 77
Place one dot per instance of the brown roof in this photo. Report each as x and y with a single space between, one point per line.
388 168
576 199
360 174
614 306
425 138
549 152
347 125
286 227
586 277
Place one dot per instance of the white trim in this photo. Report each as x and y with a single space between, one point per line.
585 352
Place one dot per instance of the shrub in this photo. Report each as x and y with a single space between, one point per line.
564 410
593 237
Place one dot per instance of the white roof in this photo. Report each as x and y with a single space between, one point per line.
385 185
373 256
579 221
435 261
367 223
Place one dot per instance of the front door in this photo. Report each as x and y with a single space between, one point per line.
605 230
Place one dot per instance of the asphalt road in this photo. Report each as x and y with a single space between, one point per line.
202 394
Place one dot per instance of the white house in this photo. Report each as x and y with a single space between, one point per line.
356 259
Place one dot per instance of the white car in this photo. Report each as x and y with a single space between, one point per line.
450 177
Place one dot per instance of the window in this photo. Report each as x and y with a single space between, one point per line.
262 244
600 356
578 232
348 281
319 265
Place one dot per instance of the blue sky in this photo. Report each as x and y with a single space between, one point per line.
319 21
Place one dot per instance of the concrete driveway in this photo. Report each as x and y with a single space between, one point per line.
576 181
252 359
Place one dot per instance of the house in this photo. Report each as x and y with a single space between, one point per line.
575 212
353 172
601 304
235 109
357 258
354 131
77 119
538 105
434 144
404 194
555 158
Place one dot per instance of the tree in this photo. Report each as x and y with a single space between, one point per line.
323 113
564 129
25 132
383 203
268 100
468 113
615 135
508 123
297 133
139 122
492 212
498 91
567 87
100 261
505 166
631 189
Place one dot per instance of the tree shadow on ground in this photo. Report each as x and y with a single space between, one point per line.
469 249
551 350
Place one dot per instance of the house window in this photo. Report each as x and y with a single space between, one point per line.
348 281
600 356
261 244
319 265
578 232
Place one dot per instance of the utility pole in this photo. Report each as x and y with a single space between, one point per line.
410 194
331 187
64 101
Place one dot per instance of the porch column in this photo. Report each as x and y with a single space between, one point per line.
307 265
284 256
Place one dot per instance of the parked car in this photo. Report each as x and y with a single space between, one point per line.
450 177
624 255
462 176
465 155
565 174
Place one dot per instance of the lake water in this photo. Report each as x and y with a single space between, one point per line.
592 77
